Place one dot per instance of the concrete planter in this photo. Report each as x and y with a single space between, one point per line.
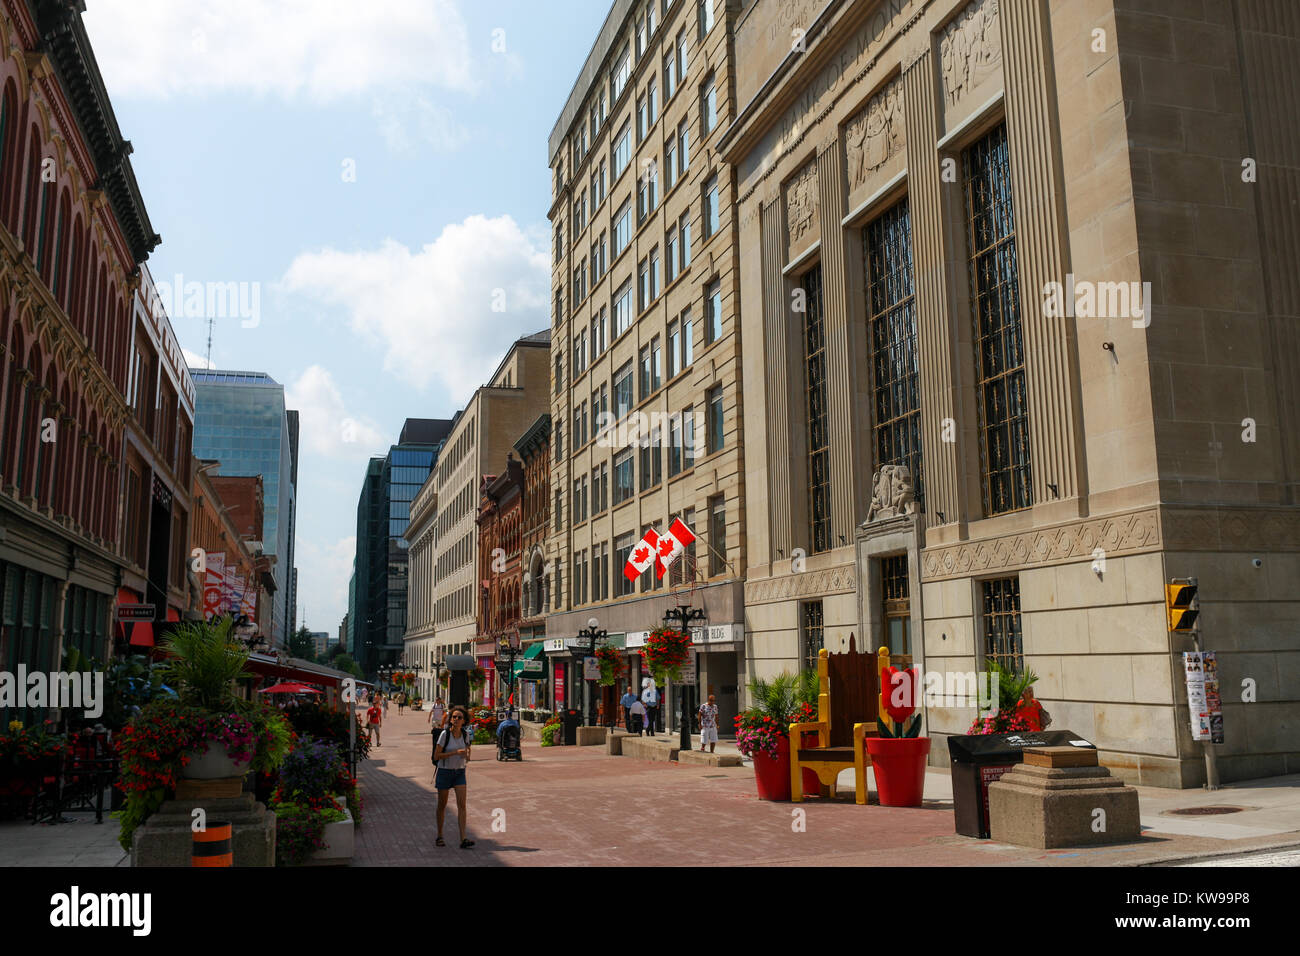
340 842
215 764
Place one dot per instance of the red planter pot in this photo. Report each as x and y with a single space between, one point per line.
772 774
812 785
899 763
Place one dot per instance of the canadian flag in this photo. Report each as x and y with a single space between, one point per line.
672 544
642 556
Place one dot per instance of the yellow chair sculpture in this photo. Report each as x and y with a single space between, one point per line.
846 713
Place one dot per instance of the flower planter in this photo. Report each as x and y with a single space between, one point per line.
339 840
899 763
214 764
772 774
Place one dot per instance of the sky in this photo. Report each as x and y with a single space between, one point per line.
374 176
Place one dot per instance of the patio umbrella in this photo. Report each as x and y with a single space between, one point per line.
290 687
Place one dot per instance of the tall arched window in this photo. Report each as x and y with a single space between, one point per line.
31 197
8 155
58 256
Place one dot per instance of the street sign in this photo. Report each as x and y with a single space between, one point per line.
591 668
687 674
135 612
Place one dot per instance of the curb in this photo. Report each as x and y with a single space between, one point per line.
1289 844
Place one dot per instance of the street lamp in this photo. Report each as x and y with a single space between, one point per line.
591 634
683 615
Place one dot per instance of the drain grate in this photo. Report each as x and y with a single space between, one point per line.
1205 811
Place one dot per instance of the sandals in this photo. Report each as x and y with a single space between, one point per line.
440 842
466 844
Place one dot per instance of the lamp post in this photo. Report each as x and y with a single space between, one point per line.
591 634
509 644
682 615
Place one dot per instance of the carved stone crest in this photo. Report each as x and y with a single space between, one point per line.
891 493
801 202
970 49
875 135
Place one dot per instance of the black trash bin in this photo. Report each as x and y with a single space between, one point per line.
572 720
980 760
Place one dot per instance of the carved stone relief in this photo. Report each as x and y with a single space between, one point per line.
875 135
801 205
970 49
891 493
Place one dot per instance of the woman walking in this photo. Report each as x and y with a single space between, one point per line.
450 754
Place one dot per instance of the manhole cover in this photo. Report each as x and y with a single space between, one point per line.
1204 811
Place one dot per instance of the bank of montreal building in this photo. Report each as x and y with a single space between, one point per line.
915 177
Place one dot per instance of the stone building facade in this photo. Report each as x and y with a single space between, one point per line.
1020 339
646 409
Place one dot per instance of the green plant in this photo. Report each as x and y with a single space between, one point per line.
548 734
300 830
776 698
483 736
613 665
912 729
204 662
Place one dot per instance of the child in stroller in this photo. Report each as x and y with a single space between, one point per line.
508 737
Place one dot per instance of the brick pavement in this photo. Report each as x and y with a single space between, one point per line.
571 806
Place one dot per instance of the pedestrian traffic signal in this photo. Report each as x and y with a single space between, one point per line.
1179 605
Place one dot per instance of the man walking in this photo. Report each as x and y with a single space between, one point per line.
627 701
650 697
437 714
374 721
636 717
709 724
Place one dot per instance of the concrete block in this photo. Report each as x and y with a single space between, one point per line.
1048 808
592 736
706 759
167 840
614 743
650 748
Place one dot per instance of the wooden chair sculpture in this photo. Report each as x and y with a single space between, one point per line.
846 713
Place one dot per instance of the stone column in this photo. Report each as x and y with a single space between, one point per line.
778 382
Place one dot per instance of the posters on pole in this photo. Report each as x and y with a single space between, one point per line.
1201 670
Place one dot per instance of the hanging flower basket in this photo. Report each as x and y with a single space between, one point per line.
665 652
613 665
477 678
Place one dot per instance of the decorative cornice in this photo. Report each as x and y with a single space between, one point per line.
1230 528
807 584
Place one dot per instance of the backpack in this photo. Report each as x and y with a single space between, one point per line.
444 738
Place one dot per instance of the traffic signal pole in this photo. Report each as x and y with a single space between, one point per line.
1207 746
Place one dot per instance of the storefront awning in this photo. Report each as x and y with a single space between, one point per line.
535 671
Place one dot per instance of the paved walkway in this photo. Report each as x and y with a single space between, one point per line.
575 806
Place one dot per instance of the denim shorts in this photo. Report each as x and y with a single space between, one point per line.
446 779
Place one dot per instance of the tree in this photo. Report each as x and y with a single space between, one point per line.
301 645
345 663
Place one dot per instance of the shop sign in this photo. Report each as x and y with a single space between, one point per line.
135 612
554 645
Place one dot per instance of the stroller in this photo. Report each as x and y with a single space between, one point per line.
508 734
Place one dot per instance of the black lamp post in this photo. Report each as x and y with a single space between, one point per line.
682 616
591 634
509 644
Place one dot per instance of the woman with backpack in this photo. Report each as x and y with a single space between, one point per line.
450 754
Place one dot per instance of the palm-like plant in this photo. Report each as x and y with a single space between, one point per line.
808 687
1011 683
776 698
204 662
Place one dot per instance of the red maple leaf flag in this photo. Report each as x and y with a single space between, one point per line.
642 556
672 544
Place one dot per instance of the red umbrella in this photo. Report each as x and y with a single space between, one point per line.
290 687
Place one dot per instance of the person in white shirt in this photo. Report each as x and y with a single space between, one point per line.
650 697
437 714
709 724
637 710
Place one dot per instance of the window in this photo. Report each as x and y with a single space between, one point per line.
711 206
674 347
704 14
647 191
670 163
654 274
599 333
559 376
656 364
670 254
670 75
599 410
652 103
683 147
810 614
891 311
600 572
652 461
623 485
619 76
643 363
600 488
717 535
579 354
688 339
688 438
559 442
712 312
708 107
622 150
622 228
1002 639
623 309
999 354
575 502
623 400
819 498
642 285
642 118
622 548
682 60
713 410
684 228
599 260
674 445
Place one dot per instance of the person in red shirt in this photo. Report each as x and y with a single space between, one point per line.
374 720
1032 711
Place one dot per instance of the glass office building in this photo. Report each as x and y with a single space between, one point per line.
240 420
383 513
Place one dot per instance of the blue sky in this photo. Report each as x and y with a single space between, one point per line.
379 169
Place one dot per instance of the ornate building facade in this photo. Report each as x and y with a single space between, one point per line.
1019 326
96 404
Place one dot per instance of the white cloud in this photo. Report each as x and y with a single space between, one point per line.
325 49
196 361
406 119
432 310
324 570
325 427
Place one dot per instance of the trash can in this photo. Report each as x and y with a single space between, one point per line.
980 760
572 721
